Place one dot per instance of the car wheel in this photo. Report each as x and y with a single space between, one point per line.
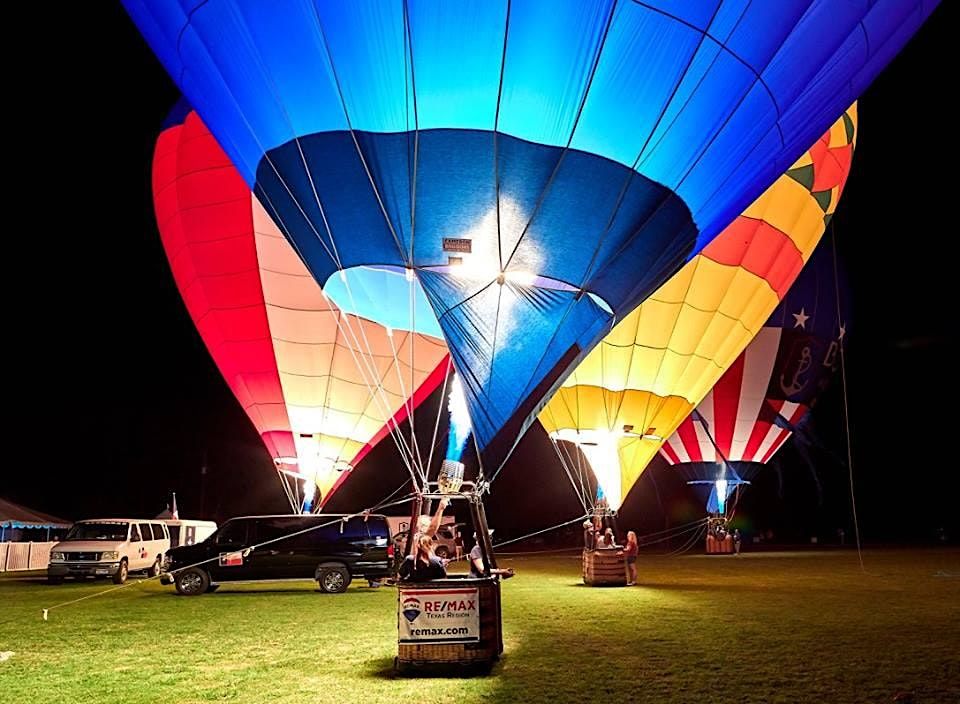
54 580
192 582
442 552
154 570
333 579
121 576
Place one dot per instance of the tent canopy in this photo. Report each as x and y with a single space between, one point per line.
16 516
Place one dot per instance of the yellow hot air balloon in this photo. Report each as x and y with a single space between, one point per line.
640 382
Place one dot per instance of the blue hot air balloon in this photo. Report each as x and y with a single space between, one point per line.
537 168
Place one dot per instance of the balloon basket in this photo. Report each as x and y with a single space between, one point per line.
479 645
453 625
717 546
604 568
719 538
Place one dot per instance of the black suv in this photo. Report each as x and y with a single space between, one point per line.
297 547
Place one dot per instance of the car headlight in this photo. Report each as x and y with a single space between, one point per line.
110 555
57 557
167 562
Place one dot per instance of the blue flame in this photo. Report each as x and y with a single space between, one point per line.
459 421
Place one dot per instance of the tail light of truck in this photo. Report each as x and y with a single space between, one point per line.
390 551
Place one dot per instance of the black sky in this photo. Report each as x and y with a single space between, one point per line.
112 400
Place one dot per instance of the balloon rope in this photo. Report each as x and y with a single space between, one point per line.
545 530
566 469
846 404
245 550
286 489
345 328
385 405
690 543
436 424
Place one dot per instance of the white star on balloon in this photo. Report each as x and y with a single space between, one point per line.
801 319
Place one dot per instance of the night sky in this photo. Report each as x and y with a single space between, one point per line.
112 400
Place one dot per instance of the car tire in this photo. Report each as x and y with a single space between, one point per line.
122 571
54 580
333 578
192 582
154 570
442 552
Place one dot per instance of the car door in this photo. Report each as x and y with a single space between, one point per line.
134 548
148 550
161 539
229 547
318 540
275 554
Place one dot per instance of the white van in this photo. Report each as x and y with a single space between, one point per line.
109 547
444 540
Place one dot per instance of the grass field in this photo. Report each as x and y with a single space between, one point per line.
774 627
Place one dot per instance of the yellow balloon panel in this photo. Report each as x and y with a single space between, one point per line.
663 358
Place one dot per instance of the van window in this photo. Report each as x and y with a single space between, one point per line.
108 530
272 528
355 529
146 531
378 528
134 533
233 533
174 536
319 534
158 531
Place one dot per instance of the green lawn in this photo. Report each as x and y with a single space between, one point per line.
775 627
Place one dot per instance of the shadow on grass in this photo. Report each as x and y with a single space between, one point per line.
386 669
225 591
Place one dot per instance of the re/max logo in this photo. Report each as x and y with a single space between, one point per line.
455 605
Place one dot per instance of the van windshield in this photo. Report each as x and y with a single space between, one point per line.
98 531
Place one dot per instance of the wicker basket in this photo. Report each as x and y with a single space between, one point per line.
482 654
604 567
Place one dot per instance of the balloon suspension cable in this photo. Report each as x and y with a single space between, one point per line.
544 530
482 483
698 418
673 533
410 457
579 493
440 407
694 538
285 483
660 536
846 404
376 390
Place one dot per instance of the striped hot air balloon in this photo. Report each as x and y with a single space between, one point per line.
321 386
766 393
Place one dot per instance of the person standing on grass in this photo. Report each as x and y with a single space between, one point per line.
630 551
458 544
736 541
